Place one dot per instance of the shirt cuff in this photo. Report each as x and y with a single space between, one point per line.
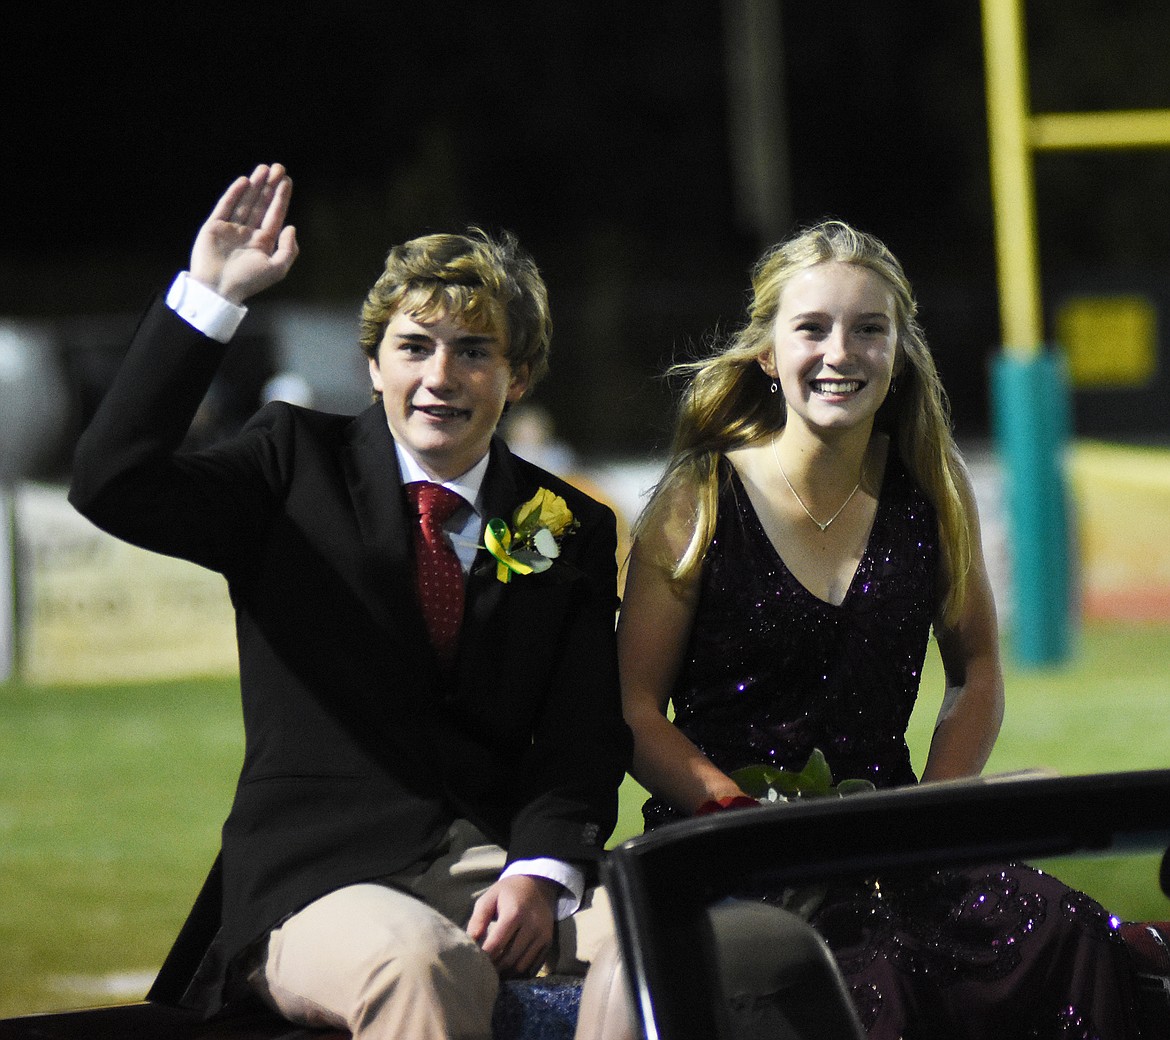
570 878
204 309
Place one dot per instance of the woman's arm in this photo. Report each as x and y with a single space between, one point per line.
653 630
973 703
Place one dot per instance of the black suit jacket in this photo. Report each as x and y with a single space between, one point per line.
360 748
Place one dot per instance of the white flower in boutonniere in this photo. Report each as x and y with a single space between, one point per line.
533 541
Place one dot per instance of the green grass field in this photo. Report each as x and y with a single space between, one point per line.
111 798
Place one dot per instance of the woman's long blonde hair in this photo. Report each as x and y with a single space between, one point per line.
727 404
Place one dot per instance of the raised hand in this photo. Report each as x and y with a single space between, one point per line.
245 246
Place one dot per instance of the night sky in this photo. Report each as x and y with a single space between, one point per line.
598 132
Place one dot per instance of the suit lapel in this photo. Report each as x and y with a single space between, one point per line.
375 488
482 619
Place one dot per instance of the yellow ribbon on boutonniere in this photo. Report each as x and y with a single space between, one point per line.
498 540
533 541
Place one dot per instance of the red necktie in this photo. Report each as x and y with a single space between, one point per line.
439 575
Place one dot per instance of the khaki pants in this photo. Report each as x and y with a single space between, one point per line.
377 960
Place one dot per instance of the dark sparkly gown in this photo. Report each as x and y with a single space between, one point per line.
772 672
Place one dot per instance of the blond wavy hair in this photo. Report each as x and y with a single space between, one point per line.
727 404
488 284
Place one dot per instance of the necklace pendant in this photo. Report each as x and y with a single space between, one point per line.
808 512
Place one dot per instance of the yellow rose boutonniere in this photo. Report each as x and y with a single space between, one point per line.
533 541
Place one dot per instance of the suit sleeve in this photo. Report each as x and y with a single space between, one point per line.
580 745
129 476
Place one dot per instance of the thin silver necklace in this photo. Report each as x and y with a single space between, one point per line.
825 525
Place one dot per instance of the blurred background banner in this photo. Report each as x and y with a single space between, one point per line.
1123 512
7 583
95 609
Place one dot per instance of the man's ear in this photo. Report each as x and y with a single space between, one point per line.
519 384
375 374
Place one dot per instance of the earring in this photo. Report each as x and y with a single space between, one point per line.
775 387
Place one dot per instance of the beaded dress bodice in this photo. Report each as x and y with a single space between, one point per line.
772 671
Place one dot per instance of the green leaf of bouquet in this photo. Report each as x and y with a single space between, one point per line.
755 780
816 777
846 787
